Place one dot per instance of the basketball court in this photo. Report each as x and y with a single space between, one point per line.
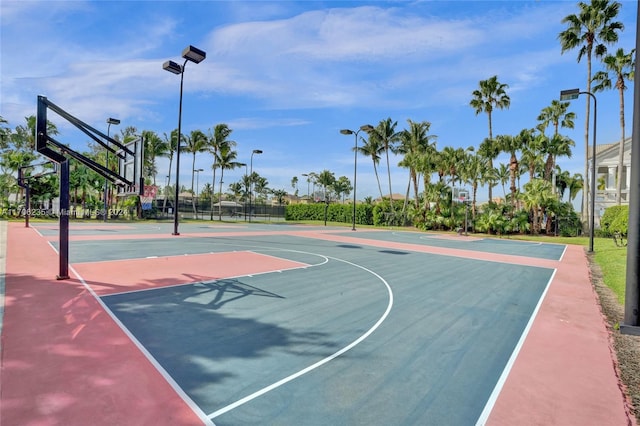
240 324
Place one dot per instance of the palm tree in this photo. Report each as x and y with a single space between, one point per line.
372 147
476 172
532 154
226 161
491 94
279 195
502 176
155 147
556 115
511 145
426 164
622 65
218 138
387 136
537 195
326 179
590 31
490 150
196 143
172 144
413 143
342 187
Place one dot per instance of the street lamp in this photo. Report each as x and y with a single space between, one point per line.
196 56
367 128
567 95
197 172
246 180
255 151
308 182
115 122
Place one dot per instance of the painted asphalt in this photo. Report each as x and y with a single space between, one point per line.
447 338
277 324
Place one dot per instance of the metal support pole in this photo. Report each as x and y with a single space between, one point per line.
177 192
64 221
593 174
631 324
27 213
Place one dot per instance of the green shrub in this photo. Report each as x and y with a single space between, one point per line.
615 219
334 212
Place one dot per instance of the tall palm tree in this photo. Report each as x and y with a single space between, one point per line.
476 172
556 115
590 31
414 142
326 178
196 143
622 65
172 142
372 147
226 161
502 173
490 150
511 145
386 134
426 164
537 195
490 94
532 154
217 138
155 147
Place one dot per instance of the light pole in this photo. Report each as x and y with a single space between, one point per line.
367 128
115 122
196 56
246 187
255 151
197 172
567 95
308 182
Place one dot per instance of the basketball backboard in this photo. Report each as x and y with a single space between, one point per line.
130 167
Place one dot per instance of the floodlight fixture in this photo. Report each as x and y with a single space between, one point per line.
570 94
113 121
194 54
172 67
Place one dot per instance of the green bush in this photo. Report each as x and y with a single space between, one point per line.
383 215
334 212
615 219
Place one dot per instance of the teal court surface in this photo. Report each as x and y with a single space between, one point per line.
275 324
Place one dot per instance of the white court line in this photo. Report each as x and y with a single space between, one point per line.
486 412
322 361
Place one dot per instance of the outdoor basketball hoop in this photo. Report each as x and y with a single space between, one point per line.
62 154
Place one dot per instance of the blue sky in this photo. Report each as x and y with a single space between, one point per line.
286 76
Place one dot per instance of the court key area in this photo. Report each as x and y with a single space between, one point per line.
240 324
